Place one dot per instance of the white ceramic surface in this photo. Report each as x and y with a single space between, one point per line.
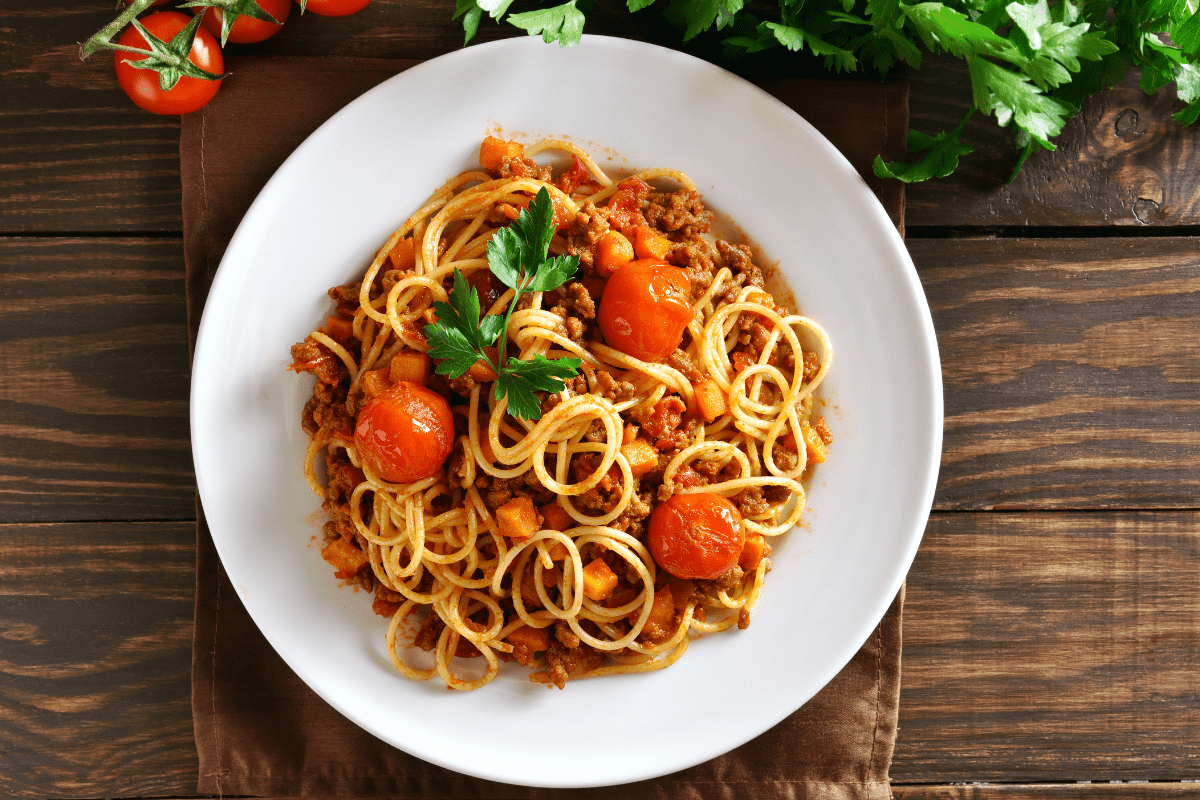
318 222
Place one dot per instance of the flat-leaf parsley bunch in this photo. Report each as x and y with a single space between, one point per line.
517 256
1031 63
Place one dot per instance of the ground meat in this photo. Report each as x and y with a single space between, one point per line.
812 365
562 663
346 298
524 168
739 261
613 389
663 421
314 357
564 634
681 361
580 300
822 429
681 212
575 330
786 459
751 503
696 259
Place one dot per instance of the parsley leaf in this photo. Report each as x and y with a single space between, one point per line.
942 159
517 256
563 24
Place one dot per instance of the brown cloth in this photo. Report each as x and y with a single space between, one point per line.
259 729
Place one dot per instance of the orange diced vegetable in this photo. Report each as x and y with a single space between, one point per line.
404 255
340 329
752 552
409 366
661 622
629 434
761 298
682 590
347 557
518 519
493 151
641 455
817 449
648 244
558 551
375 381
710 400
556 518
613 251
598 580
534 640
480 371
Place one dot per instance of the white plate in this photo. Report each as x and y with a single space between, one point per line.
319 221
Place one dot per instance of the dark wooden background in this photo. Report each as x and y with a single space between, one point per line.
1052 631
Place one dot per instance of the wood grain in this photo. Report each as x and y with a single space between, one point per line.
76 156
1082 790
1122 162
1047 647
1052 647
1071 371
94 381
95 659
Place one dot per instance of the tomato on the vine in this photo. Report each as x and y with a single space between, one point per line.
246 29
334 8
142 85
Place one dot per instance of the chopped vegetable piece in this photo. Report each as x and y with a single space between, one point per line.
598 580
493 151
409 366
404 255
340 329
518 519
556 518
534 640
648 244
347 558
641 455
375 381
481 371
710 400
613 251
661 622
817 449
752 552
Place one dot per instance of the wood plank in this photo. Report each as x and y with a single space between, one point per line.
1122 162
75 155
1082 790
94 381
1071 370
95 659
1052 647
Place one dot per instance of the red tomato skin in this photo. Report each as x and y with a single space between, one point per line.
247 29
646 308
142 86
696 536
405 433
335 8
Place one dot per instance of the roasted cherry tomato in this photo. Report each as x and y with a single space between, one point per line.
646 308
335 8
405 433
142 85
246 29
697 536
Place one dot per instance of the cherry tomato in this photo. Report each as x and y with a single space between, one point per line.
335 8
405 433
246 29
142 86
645 309
696 536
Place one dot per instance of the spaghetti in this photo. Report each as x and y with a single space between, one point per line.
542 542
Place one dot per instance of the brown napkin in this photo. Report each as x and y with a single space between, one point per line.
259 729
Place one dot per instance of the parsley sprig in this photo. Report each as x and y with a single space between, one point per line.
517 256
1031 63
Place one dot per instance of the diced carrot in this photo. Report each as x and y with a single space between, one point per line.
752 552
340 329
518 519
598 580
404 255
493 151
710 400
529 590
375 381
661 622
346 557
641 455
534 640
480 371
761 298
648 244
681 590
409 366
556 518
613 251
629 434
817 449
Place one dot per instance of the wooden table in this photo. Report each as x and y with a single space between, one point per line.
1052 631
